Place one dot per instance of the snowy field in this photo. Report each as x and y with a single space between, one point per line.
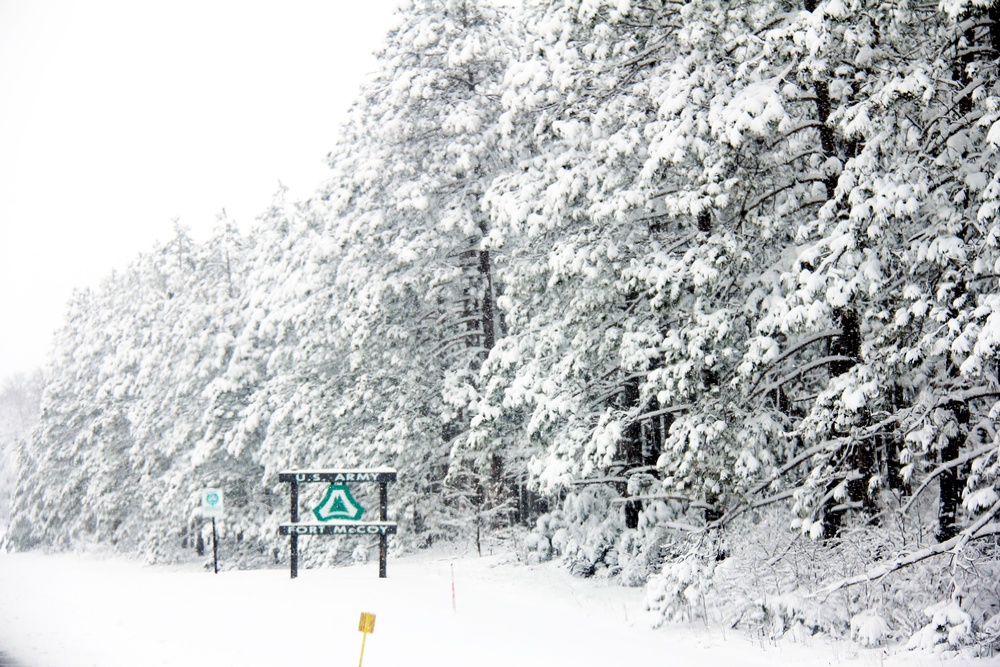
86 611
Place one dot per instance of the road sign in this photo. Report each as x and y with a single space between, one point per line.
367 623
339 513
338 476
212 503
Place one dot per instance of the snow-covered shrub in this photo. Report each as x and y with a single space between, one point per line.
966 615
539 547
869 628
760 575
584 532
755 574
989 635
950 628
679 592
587 532
637 557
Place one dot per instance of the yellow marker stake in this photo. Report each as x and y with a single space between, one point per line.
366 625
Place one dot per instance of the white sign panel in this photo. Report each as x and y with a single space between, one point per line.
212 504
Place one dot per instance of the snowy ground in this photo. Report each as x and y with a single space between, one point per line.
86 611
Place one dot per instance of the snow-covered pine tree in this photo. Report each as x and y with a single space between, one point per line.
415 278
20 399
905 246
890 264
566 224
123 406
628 237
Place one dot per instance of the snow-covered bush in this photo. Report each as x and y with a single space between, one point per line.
749 575
869 628
538 546
760 575
587 532
638 556
681 590
950 627
584 532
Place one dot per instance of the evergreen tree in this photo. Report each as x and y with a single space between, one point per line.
123 407
415 272
20 398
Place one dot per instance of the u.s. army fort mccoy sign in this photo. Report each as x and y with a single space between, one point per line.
338 513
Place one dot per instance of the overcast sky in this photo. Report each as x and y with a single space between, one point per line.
118 116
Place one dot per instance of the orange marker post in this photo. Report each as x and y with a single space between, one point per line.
366 625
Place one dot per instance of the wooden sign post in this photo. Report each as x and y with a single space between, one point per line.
338 513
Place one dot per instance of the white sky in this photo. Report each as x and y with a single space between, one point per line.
118 116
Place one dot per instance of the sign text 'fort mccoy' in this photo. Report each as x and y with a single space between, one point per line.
351 528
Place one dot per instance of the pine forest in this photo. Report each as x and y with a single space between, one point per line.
694 295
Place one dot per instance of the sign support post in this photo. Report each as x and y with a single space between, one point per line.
215 547
294 538
383 540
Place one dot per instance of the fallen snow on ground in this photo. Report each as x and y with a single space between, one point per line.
87 611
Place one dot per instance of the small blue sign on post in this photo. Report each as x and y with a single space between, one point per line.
213 506
213 503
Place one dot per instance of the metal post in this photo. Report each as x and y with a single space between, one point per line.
215 547
383 540
294 538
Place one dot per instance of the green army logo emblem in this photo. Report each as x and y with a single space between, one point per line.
338 503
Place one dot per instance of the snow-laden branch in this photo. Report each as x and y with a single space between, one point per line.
798 127
794 347
936 142
777 190
770 500
649 50
970 394
982 528
788 377
664 411
804 456
447 342
696 504
782 495
944 467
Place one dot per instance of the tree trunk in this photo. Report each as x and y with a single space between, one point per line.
630 447
498 490
860 457
826 136
952 480
488 302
